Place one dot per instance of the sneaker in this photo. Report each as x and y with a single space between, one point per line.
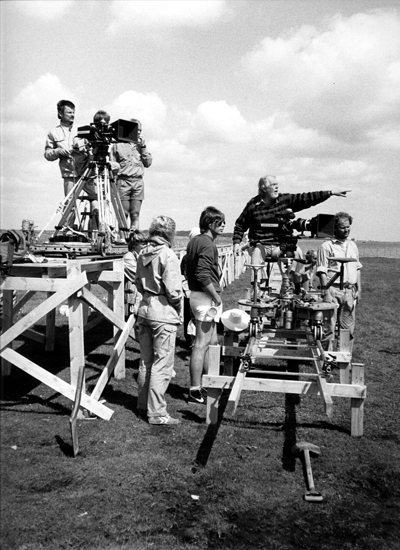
197 396
164 420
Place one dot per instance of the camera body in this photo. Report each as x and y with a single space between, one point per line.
100 135
285 225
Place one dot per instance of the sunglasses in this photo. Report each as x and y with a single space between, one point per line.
221 222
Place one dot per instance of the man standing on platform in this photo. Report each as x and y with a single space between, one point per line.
61 145
346 298
132 159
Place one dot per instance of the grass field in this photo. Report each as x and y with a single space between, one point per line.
237 486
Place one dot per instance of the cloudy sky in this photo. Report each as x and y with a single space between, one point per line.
227 91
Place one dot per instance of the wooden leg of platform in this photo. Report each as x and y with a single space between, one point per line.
50 328
344 368
357 405
7 323
119 310
213 395
76 328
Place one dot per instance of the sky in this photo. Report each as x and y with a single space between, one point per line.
227 91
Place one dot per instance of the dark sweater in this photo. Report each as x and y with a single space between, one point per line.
256 212
202 266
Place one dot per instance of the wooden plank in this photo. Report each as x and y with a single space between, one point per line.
36 336
23 300
357 405
344 366
56 383
321 380
114 358
50 328
119 311
300 387
33 284
7 320
236 391
111 276
75 411
101 307
76 325
70 287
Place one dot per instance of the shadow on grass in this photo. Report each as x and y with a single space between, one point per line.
203 454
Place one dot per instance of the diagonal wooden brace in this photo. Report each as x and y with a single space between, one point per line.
56 383
69 288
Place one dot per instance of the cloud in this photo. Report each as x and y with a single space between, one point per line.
38 99
166 13
44 9
342 81
146 107
216 121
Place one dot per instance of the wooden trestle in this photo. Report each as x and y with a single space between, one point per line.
281 345
70 280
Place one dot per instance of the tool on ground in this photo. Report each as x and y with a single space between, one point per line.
306 448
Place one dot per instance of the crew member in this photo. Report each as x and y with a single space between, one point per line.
132 158
62 145
158 279
269 203
340 246
202 271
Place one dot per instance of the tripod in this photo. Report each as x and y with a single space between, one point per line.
102 220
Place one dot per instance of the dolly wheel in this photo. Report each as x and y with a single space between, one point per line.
101 245
317 332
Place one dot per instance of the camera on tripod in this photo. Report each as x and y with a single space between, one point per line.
101 134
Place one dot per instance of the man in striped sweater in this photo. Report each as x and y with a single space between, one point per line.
269 203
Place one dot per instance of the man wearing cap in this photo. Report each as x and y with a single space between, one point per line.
269 203
132 159
340 246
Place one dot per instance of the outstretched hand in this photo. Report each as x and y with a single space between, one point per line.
341 193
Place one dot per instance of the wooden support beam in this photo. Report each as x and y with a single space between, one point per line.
300 387
101 307
119 311
236 391
23 300
357 404
114 358
33 284
69 288
8 297
213 394
56 383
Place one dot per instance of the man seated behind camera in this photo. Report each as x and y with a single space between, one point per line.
132 158
269 203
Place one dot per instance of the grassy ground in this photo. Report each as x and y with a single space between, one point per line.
135 486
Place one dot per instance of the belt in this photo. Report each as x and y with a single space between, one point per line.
345 285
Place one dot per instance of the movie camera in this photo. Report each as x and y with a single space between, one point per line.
100 135
287 230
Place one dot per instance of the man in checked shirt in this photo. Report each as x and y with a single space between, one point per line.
269 203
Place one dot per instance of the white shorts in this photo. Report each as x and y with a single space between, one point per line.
200 304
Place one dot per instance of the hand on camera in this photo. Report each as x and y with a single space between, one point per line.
63 152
